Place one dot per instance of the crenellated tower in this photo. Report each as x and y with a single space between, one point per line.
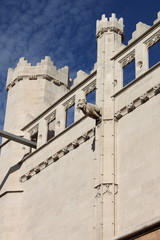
31 89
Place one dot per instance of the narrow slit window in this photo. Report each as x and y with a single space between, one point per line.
51 129
34 138
91 97
70 115
154 54
129 72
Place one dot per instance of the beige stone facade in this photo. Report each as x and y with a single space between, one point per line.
92 179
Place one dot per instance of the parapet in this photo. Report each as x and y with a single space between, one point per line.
158 18
81 75
140 29
109 25
44 69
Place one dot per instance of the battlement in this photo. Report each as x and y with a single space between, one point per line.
44 69
111 24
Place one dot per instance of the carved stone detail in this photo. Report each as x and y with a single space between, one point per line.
127 59
20 78
130 107
51 117
144 98
33 77
86 137
75 144
118 115
69 103
55 157
156 89
90 110
65 150
47 77
109 29
90 87
105 189
152 40
37 170
140 64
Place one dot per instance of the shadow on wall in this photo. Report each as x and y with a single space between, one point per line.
13 169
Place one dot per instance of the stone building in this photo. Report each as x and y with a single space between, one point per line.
86 179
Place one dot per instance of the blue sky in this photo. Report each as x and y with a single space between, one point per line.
61 29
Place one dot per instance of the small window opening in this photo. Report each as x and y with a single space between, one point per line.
129 72
154 54
51 129
70 115
34 138
91 97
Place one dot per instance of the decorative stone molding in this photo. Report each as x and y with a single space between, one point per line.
37 169
90 87
47 77
105 189
140 64
51 117
53 80
19 78
75 144
55 157
69 103
156 89
33 130
130 107
144 98
127 59
33 77
152 40
85 137
109 29
137 102
65 150
118 115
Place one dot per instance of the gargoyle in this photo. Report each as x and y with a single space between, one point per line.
90 110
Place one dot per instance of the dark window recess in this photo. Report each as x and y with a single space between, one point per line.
91 97
129 73
51 129
34 137
154 54
70 115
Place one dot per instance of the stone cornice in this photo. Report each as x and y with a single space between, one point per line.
127 59
57 155
69 103
90 87
153 39
35 77
51 116
109 29
137 102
